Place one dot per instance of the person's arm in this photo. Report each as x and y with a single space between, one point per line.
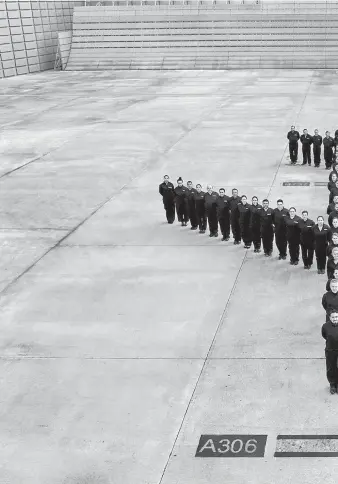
324 332
324 302
311 140
160 189
288 135
329 209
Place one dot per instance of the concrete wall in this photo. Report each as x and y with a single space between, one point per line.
29 34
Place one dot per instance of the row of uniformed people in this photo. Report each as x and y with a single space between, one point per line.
255 223
330 147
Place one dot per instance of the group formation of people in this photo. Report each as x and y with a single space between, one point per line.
316 140
259 225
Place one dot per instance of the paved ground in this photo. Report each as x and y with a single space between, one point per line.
123 339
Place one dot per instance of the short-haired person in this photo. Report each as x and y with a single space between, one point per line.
167 191
181 202
255 223
200 208
306 141
333 214
307 239
244 221
317 142
330 298
328 149
322 235
223 214
267 228
332 263
280 214
192 206
211 209
293 137
293 235
234 201
335 277
330 334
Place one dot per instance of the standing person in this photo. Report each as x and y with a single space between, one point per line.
181 202
211 209
200 209
234 216
167 191
330 334
306 141
244 221
255 224
328 149
307 239
267 228
333 214
280 214
192 206
332 263
317 141
293 235
223 214
322 236
293 137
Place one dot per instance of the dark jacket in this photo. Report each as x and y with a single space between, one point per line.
306 140
266 219
293 228
223 207
330 334
293 137
244 214
234 202
330 208
200 202
317 140
255 219
322 237
306 233
181 195
328 142
211 202
167 190
279 218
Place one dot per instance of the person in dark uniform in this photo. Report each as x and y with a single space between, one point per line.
317 142
244 221
307 239
331 185
328 150
280 214
255 224
330 334
293 235
293 137
167 191
331 206
192 206
223 214
211 209
334 228
333 214
306 141
234 216
267 228
332 263
335 153
334 190
201 216
330 298
335 277
322 237
181 202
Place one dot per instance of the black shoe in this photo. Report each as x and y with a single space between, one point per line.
280 257
255 250
305 267
258 251
309 267
216 234
292 263
303 164
237 242
309 164
193 228
211 235
283 257
323 271
223 239
333 388
296 263
182 224
226 239
266 254
202 231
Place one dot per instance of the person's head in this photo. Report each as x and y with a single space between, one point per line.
335 274
280 204
189 184
334 285
199 187
265 203
235 192
334 318
305 131
334 177
209 188
221 192
305 215
244 199
320 220
335 199
254 200
336 207
166 178
292 212
327 134
316 132
335 252
179 181
335 225
292 128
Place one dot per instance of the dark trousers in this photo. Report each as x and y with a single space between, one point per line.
316 154
281 242
235 227
328 157
192 213
293 250
182 212
256 237
321 258
169 208
246 234
293 150
212 222
306 154
202 220
307 254
267 239
331 366
224 224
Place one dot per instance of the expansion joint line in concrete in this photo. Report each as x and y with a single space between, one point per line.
146 358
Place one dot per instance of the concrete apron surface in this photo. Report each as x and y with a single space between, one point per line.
124 339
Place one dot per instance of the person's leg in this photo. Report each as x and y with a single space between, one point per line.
309 155
291 252
227 228
304 255
222 227
304 155
178 212
310 256
315 155
270 242
296 152
215 223
277 242
291 153
193 214
297 252
331 369
170 212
